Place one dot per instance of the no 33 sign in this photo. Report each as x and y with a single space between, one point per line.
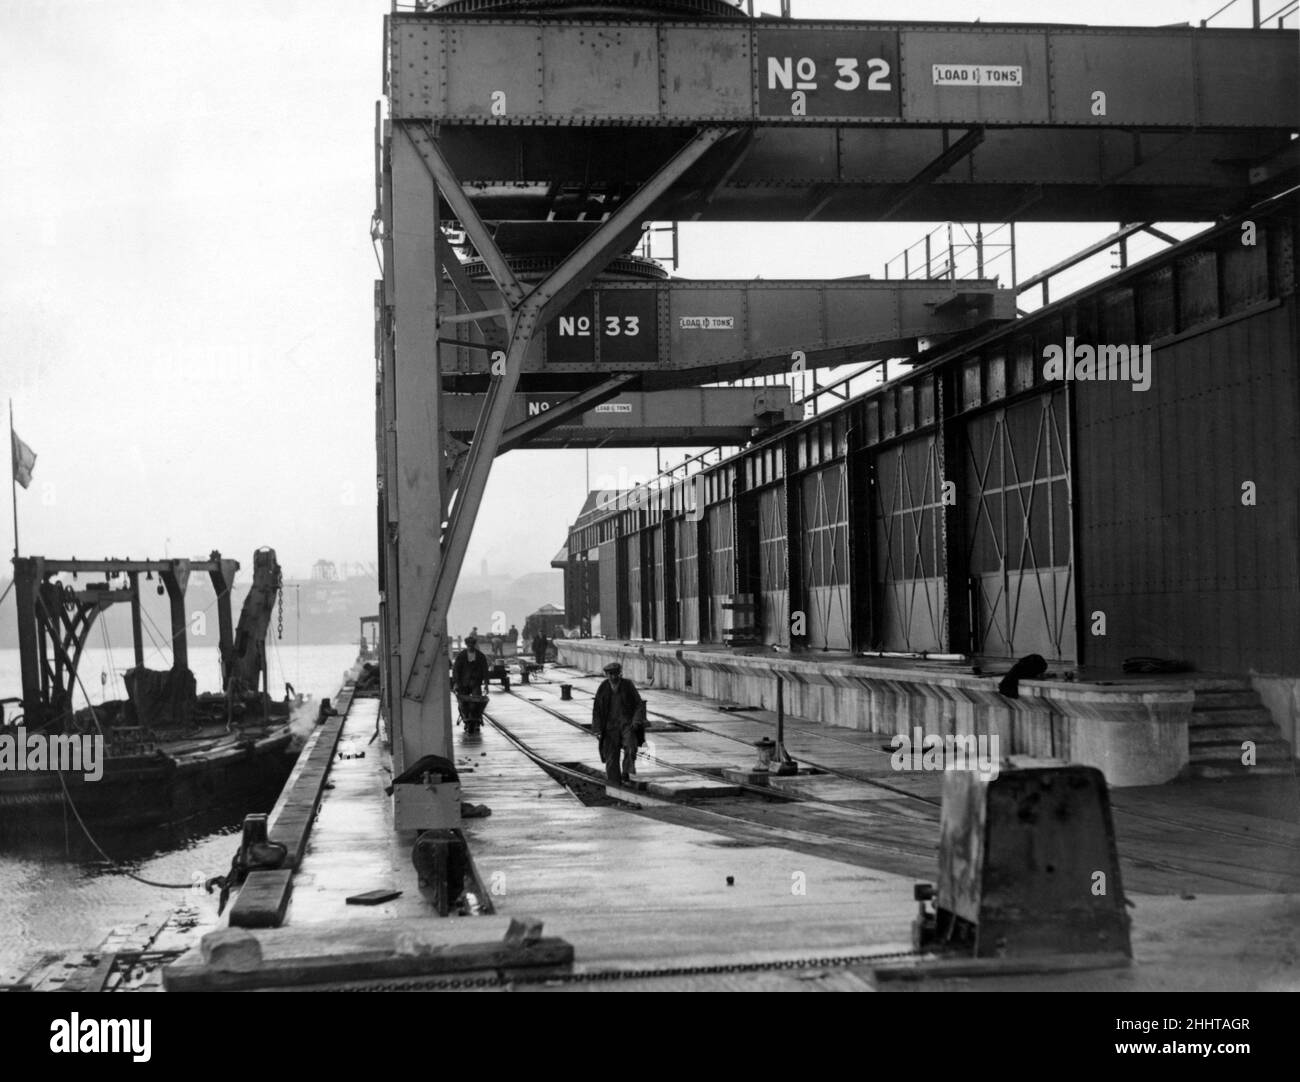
830 73
607 326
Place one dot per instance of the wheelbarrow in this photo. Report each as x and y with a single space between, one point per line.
471 711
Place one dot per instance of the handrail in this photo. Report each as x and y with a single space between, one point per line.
950 251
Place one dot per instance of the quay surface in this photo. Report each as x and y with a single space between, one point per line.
731 892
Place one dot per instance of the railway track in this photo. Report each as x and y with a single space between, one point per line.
825 769
744 814
1136 856
819 767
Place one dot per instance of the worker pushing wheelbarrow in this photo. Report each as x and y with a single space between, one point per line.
471 711
469 672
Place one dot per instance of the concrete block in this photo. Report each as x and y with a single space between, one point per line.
690 788
744 776
231 950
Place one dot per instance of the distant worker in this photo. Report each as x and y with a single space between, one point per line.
618 720
539 648
469 672
512 636
497 642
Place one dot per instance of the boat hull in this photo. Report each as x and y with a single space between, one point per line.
144 796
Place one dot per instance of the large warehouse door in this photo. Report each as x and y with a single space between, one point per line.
632 599
722 566
656 593
910 564
1017 493
774 609
609 606
688 578
824 557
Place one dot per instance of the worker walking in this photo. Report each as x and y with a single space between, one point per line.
469 672
539 648
618 720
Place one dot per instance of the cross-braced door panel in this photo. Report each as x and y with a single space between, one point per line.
773 562
609 600
911 568
722 566
824 557
1018 508
661 597
634 573
688 578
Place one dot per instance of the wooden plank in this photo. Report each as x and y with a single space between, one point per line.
263 899
330 967
294 814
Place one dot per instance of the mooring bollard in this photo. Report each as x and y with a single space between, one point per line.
566 693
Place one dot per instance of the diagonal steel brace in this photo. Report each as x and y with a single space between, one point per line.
563 411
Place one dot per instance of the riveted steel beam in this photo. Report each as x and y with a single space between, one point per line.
680 332
527 430
609 415
796 73
468 293
449 187
963 148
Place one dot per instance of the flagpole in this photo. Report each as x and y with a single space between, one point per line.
13 479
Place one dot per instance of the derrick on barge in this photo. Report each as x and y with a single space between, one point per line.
165 756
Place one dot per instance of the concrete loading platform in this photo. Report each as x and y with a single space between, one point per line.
1137 729
727 890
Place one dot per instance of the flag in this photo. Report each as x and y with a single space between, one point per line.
24 458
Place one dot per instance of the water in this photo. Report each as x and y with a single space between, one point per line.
52 904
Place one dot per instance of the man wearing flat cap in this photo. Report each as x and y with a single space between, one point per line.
618 720
469 672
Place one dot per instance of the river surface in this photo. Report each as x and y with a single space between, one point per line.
52 903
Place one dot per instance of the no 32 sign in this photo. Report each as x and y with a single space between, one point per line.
831 73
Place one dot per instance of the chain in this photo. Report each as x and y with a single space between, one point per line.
610 975
279 602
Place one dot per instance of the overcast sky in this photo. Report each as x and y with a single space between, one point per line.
186 271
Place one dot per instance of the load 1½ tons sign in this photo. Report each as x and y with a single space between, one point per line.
831 73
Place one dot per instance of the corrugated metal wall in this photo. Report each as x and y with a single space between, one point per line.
1172 558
